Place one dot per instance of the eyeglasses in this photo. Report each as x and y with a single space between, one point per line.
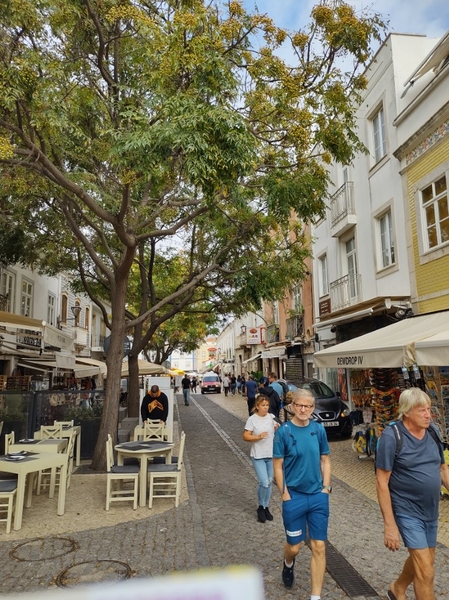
304 406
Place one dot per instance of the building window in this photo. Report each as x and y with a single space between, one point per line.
436 214
26 299
7 284
323 279
380 144
387 240
351 258
296 299
64 307
86 317
51 314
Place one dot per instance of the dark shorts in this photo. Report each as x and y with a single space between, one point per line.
416 533
306 510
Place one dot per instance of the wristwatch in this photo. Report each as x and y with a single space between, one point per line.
328 488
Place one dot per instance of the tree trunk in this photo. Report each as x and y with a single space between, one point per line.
114 359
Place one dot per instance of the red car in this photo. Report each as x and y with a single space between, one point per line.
211 383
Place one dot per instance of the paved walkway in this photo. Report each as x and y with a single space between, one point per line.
217 526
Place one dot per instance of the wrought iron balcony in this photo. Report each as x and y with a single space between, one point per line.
343 215
272 333
295 326
345 291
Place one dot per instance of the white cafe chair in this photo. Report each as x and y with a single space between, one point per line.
8 491
51 432
118 474
165 480
64 423
44 477
153 430
9 440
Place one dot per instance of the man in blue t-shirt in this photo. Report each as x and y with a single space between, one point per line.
251 391
302 471
408 485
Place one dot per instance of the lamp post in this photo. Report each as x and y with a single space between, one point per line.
76 310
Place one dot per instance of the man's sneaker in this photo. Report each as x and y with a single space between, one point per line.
268 515
261 517
288 575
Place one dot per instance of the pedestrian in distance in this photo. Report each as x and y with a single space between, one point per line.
233 384
251 391
408 482
154 405
259 430
302 471
239 384
243 388
193 384
226 382
185 384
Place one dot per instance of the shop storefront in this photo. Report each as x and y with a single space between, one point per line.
379 365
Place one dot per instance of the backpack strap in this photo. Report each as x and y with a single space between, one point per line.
435 434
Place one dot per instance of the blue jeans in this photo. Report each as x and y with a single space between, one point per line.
264 473
233 386
186 393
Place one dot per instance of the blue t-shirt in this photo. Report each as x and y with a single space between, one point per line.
301 448
415 480
251 388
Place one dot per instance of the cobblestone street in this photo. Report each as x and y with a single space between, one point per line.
217 525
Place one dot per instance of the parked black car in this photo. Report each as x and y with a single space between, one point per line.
329 410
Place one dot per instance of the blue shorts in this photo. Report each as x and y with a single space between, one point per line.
311 510
416 533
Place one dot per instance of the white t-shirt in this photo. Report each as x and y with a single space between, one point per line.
262 448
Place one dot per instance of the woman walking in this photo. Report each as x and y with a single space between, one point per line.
259 430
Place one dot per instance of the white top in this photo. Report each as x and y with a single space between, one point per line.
226 381
262 448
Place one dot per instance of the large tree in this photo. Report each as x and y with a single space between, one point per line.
137 126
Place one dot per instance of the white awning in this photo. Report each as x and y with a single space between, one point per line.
275 352
42 331
84 371
392 346
255 357
433 60
101 365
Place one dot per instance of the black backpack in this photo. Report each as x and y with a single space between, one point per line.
433 431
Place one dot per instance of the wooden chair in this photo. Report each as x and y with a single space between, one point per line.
153 430
51 432
8 490
165 480
1 426
9 440
44 477
117 474
64 423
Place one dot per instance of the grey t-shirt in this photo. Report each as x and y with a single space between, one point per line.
415 481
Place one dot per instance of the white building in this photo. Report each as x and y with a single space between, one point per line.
361 262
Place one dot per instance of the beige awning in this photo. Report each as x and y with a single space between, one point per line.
255 357
52 336
391 346
101 365
145 368
275 352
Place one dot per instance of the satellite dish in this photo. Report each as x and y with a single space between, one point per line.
126 345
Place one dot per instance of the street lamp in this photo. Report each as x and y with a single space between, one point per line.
76 310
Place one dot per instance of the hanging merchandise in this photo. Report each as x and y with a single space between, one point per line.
405 373
386 394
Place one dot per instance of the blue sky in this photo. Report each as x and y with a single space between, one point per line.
429 17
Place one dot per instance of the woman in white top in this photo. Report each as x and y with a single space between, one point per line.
259 430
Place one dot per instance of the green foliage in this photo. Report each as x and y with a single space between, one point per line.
81 413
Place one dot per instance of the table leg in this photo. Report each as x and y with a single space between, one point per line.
18 513
78 449
62 488
29 489
143 480
51 493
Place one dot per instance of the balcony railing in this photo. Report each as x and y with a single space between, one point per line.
272 333
345 291
343 215
295 327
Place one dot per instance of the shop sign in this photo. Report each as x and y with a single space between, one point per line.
349 361
324 307
253 335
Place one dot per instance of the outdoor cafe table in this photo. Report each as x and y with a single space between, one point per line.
67 431
58 445
33 464
143 451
